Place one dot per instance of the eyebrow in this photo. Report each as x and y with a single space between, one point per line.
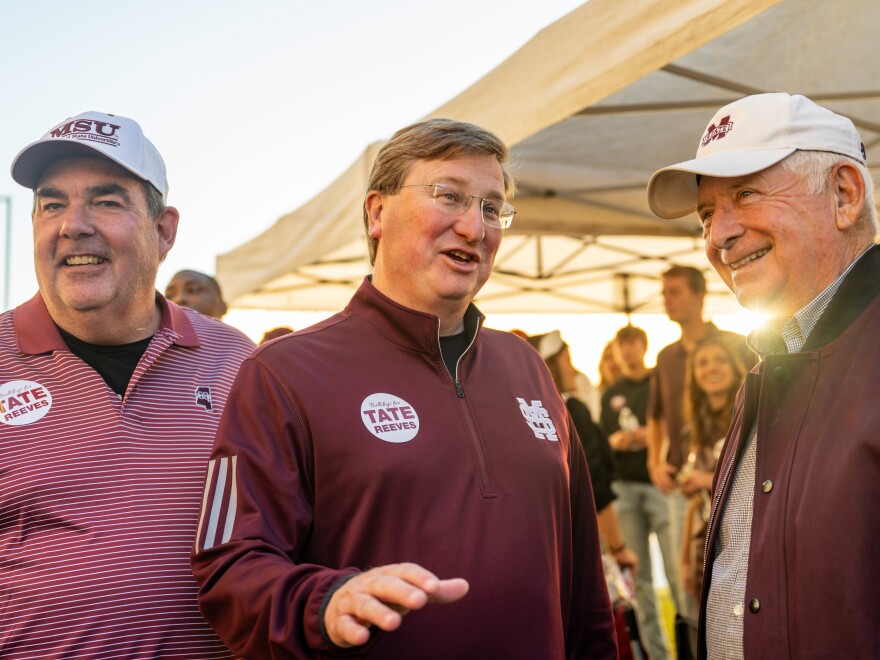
49 192
93 191
109 189
732 185
492 196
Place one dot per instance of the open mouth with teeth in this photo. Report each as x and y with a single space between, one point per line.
736 265
459 257
87 260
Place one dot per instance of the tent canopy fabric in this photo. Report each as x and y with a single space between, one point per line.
593 105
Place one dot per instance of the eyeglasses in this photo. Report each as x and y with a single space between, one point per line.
454 201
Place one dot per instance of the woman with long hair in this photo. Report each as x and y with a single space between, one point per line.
713 375
609 369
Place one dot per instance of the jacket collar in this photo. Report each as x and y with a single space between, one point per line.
418 331
36 333
856 292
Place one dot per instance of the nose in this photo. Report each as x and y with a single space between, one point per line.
76 222
469 223
724 229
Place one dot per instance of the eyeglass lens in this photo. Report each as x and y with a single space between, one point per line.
495 213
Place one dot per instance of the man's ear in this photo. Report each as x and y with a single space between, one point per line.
166 226
849 192
375 207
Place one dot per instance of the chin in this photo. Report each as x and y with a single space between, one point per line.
752 301
84 302
458 291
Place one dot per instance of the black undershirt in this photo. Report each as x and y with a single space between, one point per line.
115 364
453 347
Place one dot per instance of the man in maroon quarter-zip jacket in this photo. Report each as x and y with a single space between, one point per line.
399 481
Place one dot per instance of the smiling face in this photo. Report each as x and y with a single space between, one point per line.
96 250
773 242
713 372
427 259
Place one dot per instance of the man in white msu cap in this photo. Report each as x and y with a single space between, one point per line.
781 188
109 399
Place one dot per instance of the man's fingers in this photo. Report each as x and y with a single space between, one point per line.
381 596
348 631
449 591
351 613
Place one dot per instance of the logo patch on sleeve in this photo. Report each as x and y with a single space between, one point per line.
23 402
538 419
389 417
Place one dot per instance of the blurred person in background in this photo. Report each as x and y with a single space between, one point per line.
684 293
713 376
641 508
609 368
275 333
198 291
600 459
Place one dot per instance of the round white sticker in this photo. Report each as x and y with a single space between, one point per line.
389 417
23 402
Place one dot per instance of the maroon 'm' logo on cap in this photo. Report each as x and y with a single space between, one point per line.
717 132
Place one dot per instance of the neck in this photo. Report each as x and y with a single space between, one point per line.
95 328
717 401
450 312
451 326
693 331
635 371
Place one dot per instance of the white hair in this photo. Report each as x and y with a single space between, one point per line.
813 167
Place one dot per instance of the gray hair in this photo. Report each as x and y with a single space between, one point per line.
434 139
813 167
155 201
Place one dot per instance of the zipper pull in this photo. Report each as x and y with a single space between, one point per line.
459 390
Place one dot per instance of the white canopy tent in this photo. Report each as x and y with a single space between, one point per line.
592 105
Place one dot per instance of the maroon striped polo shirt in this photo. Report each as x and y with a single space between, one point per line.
99 496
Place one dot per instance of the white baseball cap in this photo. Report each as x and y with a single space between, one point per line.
550 344
118 138
750 135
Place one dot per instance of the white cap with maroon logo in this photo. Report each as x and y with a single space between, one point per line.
750 135
88 134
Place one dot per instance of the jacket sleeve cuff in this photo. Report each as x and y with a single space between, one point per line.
316 632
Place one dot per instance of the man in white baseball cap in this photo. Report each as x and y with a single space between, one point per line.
109 398
781 188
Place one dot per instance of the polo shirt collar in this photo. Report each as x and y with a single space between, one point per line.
36 333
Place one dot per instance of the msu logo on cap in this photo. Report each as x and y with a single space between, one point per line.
88 129
714 132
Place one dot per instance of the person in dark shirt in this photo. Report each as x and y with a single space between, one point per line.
640 506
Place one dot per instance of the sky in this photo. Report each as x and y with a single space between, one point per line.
256 107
